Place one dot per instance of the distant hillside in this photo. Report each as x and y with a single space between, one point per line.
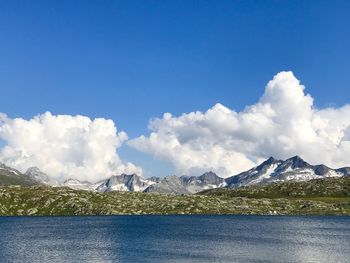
325 187
10 176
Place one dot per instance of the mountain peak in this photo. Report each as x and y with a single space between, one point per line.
294 168
297 162
267 162
296 158
209 174
11 176
32 170
321 169
124 182
270 160
36 174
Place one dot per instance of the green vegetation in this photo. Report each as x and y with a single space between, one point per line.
317 197
318 188
15 179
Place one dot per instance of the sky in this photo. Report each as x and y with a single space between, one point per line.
130 62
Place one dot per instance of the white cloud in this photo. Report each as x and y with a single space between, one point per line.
282 123
64 146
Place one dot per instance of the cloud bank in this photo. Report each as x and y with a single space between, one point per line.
282 123
64 146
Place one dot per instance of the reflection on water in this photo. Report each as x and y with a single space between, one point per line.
175 239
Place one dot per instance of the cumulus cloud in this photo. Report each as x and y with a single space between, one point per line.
64 146
282 123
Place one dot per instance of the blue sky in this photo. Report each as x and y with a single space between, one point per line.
134 60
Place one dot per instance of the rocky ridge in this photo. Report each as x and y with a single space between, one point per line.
270 171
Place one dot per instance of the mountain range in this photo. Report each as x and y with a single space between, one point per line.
271 170
10 176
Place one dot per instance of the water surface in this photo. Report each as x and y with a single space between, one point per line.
175 239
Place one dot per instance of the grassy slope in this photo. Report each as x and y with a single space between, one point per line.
319 188
12 179
310 198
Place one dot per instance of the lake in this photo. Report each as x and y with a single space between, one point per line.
175 239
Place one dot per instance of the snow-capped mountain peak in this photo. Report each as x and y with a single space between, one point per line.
125 182
273 170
